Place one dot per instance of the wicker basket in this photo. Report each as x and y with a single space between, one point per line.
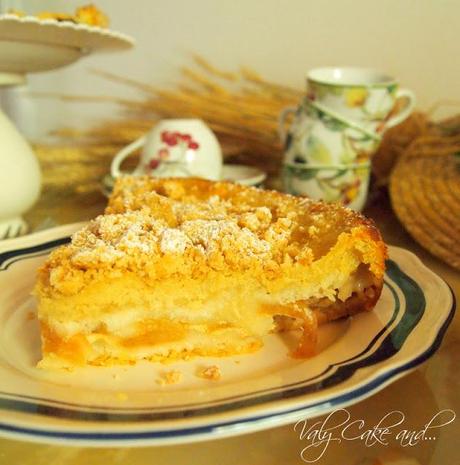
425 192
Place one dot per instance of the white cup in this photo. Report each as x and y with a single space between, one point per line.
175 148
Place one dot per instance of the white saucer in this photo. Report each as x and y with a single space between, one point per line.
240 174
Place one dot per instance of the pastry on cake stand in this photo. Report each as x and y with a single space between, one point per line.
30 45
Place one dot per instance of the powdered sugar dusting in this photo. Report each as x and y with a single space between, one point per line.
173 241
143 225
224 235
109 238
118 237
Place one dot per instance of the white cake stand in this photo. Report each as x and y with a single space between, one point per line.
30 45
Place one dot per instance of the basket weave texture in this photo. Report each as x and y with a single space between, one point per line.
425 190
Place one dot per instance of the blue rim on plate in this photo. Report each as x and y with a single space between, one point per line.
385 344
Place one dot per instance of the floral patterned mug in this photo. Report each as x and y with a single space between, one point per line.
336 129
175 148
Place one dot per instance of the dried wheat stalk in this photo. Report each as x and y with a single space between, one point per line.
242 109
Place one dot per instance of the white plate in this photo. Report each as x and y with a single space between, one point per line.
29 44
125 406
241 174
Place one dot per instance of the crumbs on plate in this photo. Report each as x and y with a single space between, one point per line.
211 372
170 377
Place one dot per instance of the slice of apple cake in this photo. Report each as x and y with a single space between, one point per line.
183 267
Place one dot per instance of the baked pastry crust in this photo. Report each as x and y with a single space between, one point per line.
182 267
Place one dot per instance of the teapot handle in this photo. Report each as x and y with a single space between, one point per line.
282 122
122 154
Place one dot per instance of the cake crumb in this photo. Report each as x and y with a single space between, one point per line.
30 315
313 230
170 377
212 373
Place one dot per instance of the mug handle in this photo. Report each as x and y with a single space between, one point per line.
123 153
409 96
282 122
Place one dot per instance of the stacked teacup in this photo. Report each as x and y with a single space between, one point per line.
335 131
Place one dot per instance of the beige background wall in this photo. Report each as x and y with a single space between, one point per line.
416 40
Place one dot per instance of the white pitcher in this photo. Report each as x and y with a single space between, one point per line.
20 179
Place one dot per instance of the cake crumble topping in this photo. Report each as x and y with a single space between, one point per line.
228 228
173 241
